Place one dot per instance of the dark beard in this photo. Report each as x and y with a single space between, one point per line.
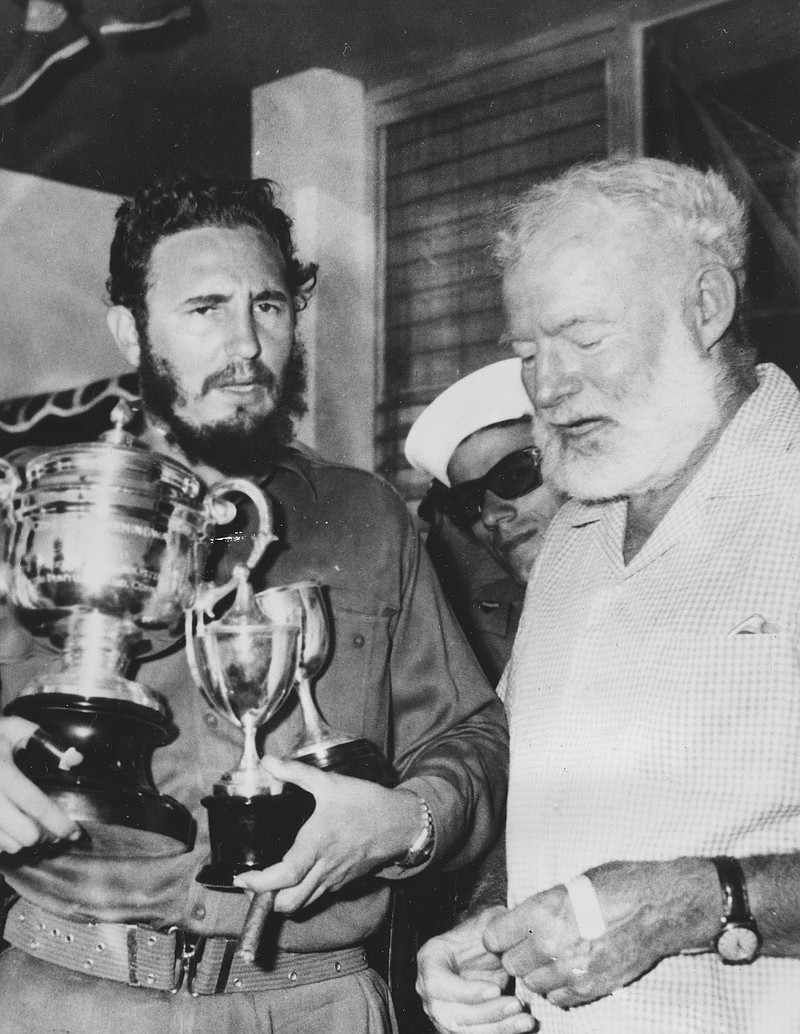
246 445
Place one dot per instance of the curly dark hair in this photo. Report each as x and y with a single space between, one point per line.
186 204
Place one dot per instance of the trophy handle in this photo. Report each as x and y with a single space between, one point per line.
10 481
222 510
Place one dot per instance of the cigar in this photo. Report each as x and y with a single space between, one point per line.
250 937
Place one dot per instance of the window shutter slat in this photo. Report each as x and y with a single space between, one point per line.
447 174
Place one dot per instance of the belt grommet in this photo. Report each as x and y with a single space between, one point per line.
151 978
151 941
293 977
69 938
338 967
99 946
55 932
88 963
238 982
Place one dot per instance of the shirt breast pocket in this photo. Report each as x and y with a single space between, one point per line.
354 688
732 704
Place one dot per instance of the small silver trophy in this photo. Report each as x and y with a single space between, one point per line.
244 665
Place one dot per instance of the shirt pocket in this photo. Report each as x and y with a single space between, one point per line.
726 710
353 692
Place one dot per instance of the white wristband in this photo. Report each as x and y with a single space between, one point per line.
585 905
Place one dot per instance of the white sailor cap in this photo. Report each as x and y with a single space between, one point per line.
488 396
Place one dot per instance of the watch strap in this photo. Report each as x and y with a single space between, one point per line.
736 905
422 847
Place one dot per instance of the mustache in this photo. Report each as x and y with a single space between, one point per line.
240 373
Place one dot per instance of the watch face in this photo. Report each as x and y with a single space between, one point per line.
738 943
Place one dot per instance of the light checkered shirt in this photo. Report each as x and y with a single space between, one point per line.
642 727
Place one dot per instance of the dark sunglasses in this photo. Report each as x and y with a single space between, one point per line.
514 476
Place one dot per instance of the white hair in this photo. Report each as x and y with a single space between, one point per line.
697 206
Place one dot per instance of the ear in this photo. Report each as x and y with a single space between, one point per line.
123 329
715 303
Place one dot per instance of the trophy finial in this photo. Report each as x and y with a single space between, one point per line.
121 415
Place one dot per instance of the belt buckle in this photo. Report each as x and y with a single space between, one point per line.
186 957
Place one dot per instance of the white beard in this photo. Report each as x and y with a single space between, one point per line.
658 426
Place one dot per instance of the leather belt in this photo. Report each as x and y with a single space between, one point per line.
166 960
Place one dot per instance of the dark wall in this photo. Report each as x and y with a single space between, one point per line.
134 107
740 73
126 111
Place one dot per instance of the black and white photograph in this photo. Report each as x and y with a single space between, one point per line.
399 516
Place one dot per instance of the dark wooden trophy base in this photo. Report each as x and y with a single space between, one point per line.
251 832
110 794
357 758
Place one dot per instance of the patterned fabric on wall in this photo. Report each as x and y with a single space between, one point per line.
62 418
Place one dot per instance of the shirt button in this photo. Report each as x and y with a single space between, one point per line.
211 719
358 640
199 912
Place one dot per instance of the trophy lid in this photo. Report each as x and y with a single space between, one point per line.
119 459
121 466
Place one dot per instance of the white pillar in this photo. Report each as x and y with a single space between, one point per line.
311 135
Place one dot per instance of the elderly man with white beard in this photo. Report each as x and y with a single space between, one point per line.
653 823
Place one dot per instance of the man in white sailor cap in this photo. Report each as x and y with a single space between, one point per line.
475 441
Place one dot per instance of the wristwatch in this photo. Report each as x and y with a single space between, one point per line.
739 941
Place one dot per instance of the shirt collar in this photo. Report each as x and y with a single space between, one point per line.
767 422
297 459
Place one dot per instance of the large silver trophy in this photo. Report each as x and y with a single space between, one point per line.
105 544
